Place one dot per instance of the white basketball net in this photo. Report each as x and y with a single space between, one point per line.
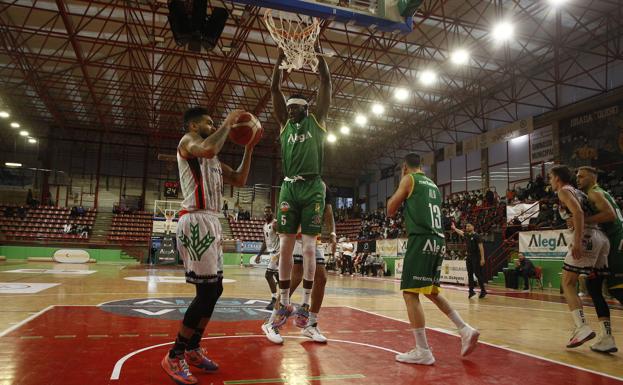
296 38
169 214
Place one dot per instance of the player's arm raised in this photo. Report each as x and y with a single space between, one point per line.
198 147
606 211
279 101
325 90
401 194
239 176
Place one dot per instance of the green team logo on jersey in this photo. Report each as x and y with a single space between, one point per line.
294 138
195 245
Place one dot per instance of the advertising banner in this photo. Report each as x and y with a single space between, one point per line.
552 244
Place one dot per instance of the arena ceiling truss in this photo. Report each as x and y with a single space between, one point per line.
79 69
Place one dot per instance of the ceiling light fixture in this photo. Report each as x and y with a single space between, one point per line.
378 109
401 94
428 77
503 31
460 56
361 120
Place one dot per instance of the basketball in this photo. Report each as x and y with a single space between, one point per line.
245 129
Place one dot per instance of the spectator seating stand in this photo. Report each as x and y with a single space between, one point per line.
43 223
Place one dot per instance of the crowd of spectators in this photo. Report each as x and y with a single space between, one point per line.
83 230
376 225
15 212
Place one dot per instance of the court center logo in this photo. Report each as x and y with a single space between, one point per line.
196 245
173 308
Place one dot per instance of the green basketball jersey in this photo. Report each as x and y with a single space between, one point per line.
302 147
423 207
611 228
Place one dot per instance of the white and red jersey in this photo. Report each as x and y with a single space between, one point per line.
201 180
271 238
582 199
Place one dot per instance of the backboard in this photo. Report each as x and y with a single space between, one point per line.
384 15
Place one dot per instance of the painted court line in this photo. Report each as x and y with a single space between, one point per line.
116 372
445 331
310 378
22 322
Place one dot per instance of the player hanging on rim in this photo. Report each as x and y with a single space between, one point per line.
588 248
301 199
199 233
271 243
608 216
422 264
309 325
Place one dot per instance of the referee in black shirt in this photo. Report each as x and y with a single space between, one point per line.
475 258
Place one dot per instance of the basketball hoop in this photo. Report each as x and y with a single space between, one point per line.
297 39
168 220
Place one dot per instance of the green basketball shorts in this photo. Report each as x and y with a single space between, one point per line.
421 268
615 263
301 203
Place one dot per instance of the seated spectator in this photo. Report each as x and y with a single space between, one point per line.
74 212
21 212
67 228
86 230
524 268
80 211
9 212
545 217
513 228
376 265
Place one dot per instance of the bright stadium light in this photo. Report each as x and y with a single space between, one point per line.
331 138
14 124
32 140
460 56
428 77
23 133
557 3
12 164
345 130
361 120
401 94
503 31
378 109
4 114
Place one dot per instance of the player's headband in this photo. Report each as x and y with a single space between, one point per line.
300 102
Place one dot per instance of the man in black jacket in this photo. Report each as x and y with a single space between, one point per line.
525 268
475 258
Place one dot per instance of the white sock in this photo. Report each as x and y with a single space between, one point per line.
313 319
578 317
420 338
285 296
456 318
606 330
274 295
306 296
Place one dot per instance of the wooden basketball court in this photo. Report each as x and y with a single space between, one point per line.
113 323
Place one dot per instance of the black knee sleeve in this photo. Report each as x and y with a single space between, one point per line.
594 285
203 304
618 294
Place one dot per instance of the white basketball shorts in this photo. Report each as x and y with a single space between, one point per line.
199 244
